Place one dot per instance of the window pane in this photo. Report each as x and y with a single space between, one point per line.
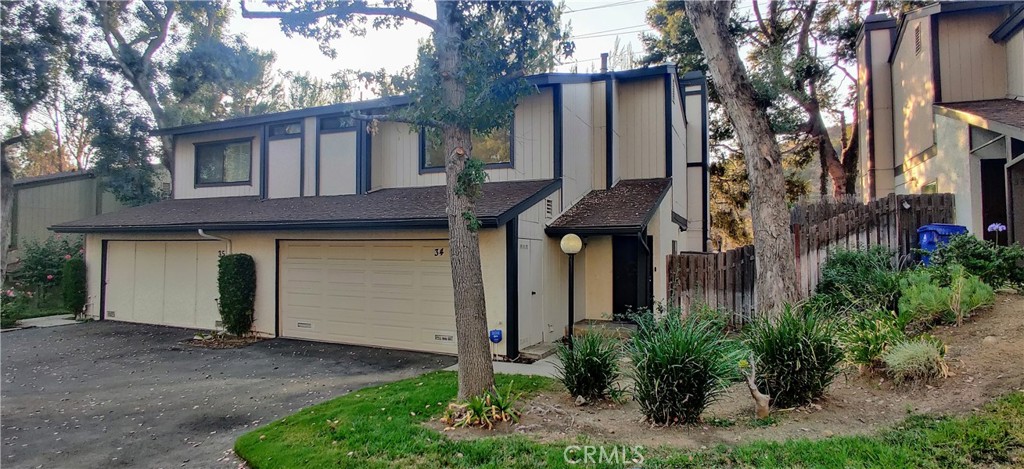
332 123
210 162
494 147
223 162
434 148
293 128
236 162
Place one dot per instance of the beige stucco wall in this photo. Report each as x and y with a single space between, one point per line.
913 92
184 165
1015 65
971 65
953 169
262 246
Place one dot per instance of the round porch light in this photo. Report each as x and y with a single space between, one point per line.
571 244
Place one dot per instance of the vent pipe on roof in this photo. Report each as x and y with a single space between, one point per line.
203 234
604 62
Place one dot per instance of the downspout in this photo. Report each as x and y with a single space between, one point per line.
203 234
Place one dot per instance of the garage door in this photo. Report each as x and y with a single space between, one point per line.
172 283
395 294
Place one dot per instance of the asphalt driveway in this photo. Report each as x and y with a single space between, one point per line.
110 394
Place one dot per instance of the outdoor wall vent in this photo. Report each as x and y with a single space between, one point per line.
444 337
548 208
218 324
917 39
111 314
304 325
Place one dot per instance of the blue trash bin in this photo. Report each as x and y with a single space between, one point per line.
930 237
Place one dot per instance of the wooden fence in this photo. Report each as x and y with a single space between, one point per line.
725 280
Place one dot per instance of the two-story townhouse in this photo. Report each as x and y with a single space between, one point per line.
346 220
940 108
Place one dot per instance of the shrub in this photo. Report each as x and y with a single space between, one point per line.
589 365
236 283
12 308
920 359
797 356
996 265
868 336
857 280
967 293
680 366
42 262
73 285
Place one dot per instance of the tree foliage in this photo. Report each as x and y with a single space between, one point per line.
467 78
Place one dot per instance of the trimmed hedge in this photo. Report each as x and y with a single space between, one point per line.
73 285
236 283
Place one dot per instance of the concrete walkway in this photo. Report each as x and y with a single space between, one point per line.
543 367
48 321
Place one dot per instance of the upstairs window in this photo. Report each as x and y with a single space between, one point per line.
336 123
494 148
224 163
285 130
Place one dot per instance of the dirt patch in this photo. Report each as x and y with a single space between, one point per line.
222 341
985 359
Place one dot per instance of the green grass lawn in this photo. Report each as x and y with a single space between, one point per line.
381 427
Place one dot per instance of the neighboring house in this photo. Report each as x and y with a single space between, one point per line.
941 109
43 201
346 218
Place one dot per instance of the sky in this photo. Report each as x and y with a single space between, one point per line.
595 27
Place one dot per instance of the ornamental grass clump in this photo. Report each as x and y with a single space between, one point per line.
589 365
868 335
921 359
679 368
798 356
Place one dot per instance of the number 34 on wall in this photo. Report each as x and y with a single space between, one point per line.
438 252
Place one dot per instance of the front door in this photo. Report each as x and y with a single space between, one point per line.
531 327
993 197
632 275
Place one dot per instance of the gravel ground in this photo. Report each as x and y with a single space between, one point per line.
113 394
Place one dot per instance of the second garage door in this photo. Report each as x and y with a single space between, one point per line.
395 294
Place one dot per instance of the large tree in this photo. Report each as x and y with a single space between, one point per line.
801 60
35 44
776 269
467 78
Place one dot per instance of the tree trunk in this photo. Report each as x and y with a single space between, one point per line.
776 271
7 200
851 155
476 373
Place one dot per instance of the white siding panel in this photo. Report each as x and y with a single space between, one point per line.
284 166
641 110
1015 65
971 65
338 163
309 148
913 92
578 142
599 133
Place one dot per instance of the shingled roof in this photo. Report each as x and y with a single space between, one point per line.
1006 111
413 207
624 209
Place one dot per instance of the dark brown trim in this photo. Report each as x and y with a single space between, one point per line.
316 158
28 183
195 163
1012 25
512 289
680 220
302 158
103 279
264 162
277 288
609 130
936 69
668 125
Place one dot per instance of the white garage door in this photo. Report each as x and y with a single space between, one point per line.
172 283
395 294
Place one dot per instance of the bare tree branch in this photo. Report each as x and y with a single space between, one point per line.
342 11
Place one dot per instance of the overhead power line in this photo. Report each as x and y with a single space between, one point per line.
610 5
